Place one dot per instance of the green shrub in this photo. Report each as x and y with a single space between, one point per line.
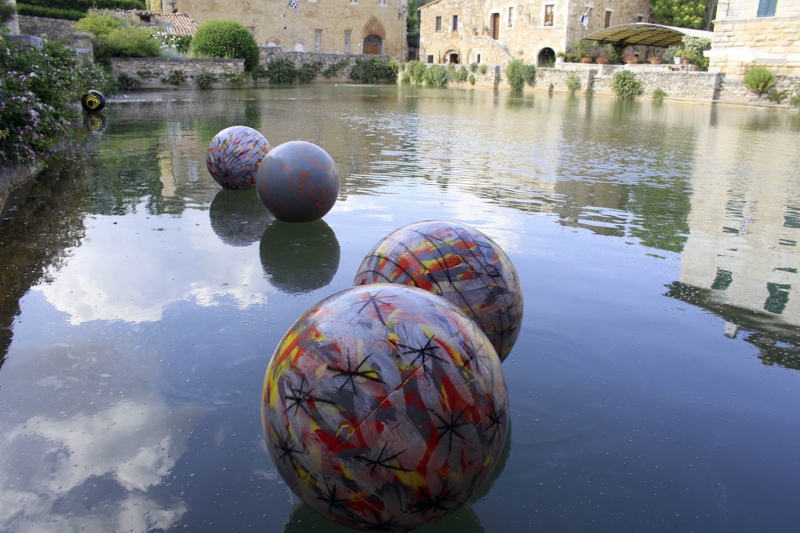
795 101
127 83
482 69
759 80
436 76
458 75
777 96
472 79
178 44
226 39
130 42
519 74
176 77
281 71
372 69
658 95
334 69
238 80
573 83
626 85
693 49
473 67
144 74
38 92
49 12
205 80
417 70
308 71
99 26
406 79
7 11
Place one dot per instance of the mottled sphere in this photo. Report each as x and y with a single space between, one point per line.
459 263
234 155
385 407
93 101
298 182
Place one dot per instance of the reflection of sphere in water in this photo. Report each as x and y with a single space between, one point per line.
299 257
384 404
234 155
95 122
304 519
458 263
237 217
298 182
93 101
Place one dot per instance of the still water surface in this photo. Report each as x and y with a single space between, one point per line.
655 385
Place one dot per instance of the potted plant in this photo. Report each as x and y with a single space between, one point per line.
586 59
678 58
474 30
486 30
669 54
655 60
631 59
602 60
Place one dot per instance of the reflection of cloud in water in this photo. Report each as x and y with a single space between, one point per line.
85 427
299 258
121 272
238 217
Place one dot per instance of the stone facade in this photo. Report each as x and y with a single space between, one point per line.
743 39
47 28
348 26
481 31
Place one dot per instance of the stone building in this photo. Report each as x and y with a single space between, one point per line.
756 32
485 31
350 26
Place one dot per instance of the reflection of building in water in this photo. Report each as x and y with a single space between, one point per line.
741 259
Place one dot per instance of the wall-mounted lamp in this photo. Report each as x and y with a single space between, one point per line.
401 11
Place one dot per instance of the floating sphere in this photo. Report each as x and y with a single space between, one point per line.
234 156
385 407
459 263
298 182
93 101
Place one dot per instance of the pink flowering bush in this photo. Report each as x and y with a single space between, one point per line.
39 94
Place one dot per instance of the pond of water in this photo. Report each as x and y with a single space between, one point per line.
654 385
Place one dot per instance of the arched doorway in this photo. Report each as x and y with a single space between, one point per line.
452 58
373 45
547 58
495 26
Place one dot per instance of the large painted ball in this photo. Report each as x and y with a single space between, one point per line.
298 182
459 263
234 155
93 101
385 407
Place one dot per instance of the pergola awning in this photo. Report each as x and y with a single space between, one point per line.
646 34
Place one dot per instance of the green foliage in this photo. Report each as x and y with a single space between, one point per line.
308 71
795 101
777 96
436 76
174 44
334 69
129 42
281 71
519 74
473 67
417 70
669 53
99 26
205 80
759 80
617 51
49 12
482 69
573 83
693 49
372 69
472 79
658 95
127 83
39 89
460 74
681 13
238 80
226 39
144 74
626 85
406 79
7 11
176 77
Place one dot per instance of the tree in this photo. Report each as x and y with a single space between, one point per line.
696 14
226 39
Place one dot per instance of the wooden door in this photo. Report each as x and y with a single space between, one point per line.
371 49
495 26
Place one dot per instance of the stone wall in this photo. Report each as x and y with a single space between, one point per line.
51 29
155 73
267 54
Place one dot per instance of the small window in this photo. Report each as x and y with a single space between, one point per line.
766 8
548 15
639 18
353 1
438 23
317 40
510 16
381 2
347 41
479 59
608 19
252 30
455 22
430 59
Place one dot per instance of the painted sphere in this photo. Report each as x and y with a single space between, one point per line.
459 263
298 182
93 101
385 407
234 155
